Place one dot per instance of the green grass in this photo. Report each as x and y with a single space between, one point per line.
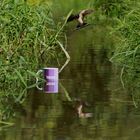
28 41
124 17
127 52
112 8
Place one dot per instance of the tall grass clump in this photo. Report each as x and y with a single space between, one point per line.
124 18
28 42
127 52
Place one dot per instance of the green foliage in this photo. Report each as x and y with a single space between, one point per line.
112 8
127 53
28 41
124 17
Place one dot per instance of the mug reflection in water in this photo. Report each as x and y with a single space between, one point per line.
49 87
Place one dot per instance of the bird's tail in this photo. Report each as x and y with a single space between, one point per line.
72 17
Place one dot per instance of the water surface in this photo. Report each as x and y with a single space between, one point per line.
91 80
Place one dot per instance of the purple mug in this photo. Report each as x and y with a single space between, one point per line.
51 77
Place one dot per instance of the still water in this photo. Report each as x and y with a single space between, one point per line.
91 103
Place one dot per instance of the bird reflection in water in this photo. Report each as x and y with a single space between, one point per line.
80 109
77 104
82 114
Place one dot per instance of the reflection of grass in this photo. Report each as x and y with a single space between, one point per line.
5 124
65 92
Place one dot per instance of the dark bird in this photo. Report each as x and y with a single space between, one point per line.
80 17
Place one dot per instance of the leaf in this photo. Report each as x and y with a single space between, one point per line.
18 99
32 73
21 77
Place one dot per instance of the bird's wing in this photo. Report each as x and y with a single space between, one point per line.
80 21
86 12
72 17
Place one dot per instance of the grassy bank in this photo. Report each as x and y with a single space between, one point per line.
125 27
127 52
28 42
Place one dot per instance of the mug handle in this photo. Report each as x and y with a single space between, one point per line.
37 79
